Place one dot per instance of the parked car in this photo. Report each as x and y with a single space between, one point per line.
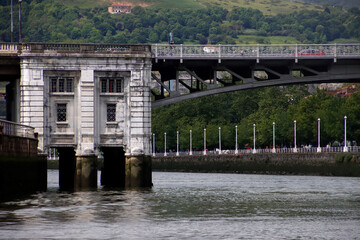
311 52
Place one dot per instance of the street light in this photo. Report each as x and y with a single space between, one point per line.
204 141
219 140
154 144
12 22
190 153
236 140
254 150
20 21
165 144
295 150
177 143
274 150
318 148
346 149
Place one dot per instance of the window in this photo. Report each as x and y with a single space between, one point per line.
111 113
61 112
61 85
111 85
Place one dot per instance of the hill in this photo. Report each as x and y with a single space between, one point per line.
268 7
342 3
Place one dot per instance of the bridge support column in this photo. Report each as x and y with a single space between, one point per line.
76 172
138 171
86 172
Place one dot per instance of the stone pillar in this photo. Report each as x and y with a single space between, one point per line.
86 172
138 171
138 152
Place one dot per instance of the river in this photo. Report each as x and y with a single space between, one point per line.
192 206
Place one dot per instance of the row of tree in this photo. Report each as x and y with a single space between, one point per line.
262 107
56 22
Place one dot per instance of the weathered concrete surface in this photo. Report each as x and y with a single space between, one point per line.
325 164
86 172
138 171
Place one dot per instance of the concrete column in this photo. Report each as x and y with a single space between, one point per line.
86 172
138 171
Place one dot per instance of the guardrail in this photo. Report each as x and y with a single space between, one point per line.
6 48
164 51
16 129
269 150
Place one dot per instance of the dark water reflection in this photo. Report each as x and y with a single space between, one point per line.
193 206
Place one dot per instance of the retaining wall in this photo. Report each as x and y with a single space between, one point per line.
325 164
22 170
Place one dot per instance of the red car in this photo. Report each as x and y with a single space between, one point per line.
311 52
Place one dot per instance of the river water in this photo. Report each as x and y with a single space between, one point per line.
192 206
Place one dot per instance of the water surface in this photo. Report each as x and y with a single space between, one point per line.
192 206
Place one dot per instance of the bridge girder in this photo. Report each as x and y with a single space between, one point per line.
248 74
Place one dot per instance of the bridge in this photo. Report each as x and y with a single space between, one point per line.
87 98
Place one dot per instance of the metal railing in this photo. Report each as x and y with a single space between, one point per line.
16 129
268 150
255 51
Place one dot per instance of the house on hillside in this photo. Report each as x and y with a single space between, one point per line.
119 8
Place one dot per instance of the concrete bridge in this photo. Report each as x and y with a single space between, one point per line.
86 98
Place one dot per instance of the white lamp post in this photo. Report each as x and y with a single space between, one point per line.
236 140
254 150
20 37
346 149
295 149
165 144
204 141
154 144
274 149
190 153
219 140
177 143
318 148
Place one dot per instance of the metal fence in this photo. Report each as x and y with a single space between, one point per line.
17 129
255 51
268 150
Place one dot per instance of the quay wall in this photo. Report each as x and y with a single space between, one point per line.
323 164
22 170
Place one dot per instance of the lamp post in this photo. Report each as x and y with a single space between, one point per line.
12 21
154 144
295 149
165 144
190 153
318 148
254 150
177 143
274 149
204 141
20 21
219 140
346 149
236 140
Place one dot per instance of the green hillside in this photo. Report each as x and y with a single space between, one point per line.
268 7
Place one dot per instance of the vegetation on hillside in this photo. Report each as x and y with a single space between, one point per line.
281 105
56 22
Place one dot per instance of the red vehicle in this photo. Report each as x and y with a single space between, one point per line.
311 52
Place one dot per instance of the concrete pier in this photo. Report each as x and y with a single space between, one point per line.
86 173
138 171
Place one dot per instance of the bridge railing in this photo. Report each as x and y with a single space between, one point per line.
8 48
72 48
254 51
268 150
16 129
